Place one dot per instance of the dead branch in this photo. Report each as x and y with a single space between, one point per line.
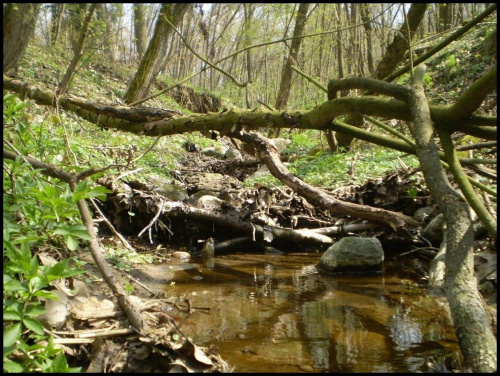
269 155
255 231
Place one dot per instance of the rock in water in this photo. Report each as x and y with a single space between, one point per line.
353 255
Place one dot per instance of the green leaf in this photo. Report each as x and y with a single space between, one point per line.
46 294
62 230
13 310
82 235
33 324
61 270
71 242
60 365
11 334
34 310
14 285
12 367
37 283
83 191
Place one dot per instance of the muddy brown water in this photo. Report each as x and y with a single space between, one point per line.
276 313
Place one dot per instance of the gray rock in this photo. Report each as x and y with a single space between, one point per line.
261 172
217 151
233 154
195 196
353 255
209 203
173 192
421 214
281 143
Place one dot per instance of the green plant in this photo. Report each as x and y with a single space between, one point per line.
25 281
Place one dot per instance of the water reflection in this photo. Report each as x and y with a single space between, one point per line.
275 313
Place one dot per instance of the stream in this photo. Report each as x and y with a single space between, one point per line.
276 313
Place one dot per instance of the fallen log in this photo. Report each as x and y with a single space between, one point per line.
268 154
255 231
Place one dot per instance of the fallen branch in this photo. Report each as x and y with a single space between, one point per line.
255 231
269 155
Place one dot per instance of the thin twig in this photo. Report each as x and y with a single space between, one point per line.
160 210
111 227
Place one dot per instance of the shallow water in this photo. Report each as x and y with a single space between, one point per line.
276 313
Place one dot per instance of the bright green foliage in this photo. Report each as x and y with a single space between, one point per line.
37 210
25 281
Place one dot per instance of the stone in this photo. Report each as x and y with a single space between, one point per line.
210 203
233 154
354 255
173 192
195 196
261 172
217 151
210 181
421 214
181 255
281 143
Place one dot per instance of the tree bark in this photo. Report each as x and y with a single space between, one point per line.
286 77
152 59
474 333
140 31
77 54
57 15
19 22
396 50
365 17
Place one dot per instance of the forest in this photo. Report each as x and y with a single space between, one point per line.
250 187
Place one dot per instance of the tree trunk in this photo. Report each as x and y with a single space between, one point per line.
365 17
64 84
392 57
57 15
286 77
396 50
474 333
19 20
248 10
140 31
152 59
107 44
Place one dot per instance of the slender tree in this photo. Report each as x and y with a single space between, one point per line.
57 16
365 17
286 77
64 84
152 60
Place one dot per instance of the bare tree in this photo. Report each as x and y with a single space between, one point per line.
286 77
57 15
64 84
